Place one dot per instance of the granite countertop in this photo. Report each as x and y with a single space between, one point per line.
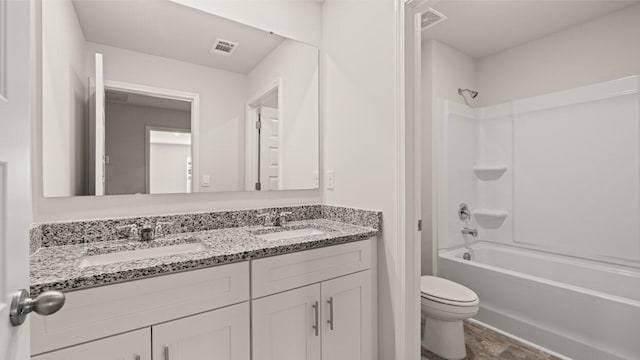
62 268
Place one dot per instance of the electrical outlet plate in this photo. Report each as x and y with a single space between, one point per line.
331 181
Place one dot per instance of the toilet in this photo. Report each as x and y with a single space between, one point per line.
445 304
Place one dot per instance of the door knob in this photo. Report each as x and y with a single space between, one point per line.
46 303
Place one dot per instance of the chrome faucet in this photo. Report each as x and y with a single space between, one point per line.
147 233
467 231
273 218
281 218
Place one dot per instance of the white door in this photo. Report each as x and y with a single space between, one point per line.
270 148
347 313
15 182
216 335
286 326
135 345
97 129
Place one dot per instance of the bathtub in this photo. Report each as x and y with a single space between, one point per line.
582 309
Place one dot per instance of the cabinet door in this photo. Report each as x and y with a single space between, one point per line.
286 325
135 345
221 334
346 322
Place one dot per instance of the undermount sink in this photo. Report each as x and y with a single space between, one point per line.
139 254
288 234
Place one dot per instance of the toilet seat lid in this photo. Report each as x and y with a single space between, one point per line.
447 291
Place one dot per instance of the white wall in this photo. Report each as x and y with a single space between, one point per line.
300 20
296 64
444 70
596 51
63 99
125 145
359 129
453 69
222 106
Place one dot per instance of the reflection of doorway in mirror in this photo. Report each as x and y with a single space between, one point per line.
270 143
168 164
264 140
131 112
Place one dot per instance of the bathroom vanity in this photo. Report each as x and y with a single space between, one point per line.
304 290
154 114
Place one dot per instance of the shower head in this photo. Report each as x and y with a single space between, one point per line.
473 93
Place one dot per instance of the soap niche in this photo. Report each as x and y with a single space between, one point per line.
490 218
489 172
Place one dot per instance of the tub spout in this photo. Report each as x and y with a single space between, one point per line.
472 232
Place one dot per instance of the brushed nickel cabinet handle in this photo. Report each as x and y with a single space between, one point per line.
315 326
165 350
137 357
330 321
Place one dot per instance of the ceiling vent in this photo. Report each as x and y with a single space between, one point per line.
116 97
224 47
431 17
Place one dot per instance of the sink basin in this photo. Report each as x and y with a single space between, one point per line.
288 234
139 254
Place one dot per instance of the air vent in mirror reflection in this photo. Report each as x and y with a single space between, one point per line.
224 47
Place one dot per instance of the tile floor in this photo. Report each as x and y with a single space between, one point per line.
486 344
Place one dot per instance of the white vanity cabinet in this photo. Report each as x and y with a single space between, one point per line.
221 334
330 319
283 325
105 311
326 321
135 345
316 305
347 317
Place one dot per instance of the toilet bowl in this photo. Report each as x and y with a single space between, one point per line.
445 305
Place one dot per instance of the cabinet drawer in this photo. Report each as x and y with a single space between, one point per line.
283 272
98 312
132 345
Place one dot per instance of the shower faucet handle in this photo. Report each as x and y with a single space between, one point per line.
463 212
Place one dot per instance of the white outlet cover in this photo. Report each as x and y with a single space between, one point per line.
331 181
205 180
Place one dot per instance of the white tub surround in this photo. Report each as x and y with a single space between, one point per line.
558 172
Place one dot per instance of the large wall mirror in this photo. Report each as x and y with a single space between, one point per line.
153 97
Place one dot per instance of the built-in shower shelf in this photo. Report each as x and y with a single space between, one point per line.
490 218
489 172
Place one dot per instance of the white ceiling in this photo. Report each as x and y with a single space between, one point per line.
164 28
484 27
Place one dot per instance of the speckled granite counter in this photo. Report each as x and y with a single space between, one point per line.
60 267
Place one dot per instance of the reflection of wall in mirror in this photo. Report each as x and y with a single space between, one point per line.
64 97
222 105
125 143
296 64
